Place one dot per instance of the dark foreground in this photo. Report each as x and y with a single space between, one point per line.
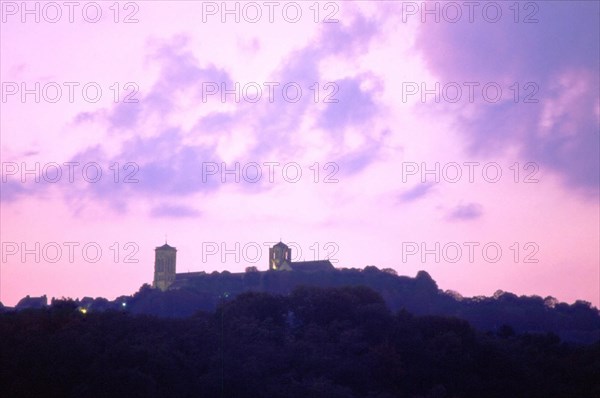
326 343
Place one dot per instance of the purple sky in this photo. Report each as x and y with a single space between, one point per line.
461 141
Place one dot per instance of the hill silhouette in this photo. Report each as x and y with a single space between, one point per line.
578 322
313 342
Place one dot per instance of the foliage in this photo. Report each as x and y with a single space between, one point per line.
314 342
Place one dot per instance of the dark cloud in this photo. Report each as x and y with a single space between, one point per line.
215 123
280 122
561 54
356 161
84 117
175 211
180 68
417 192
11 190
354 107
469 211
168 166
159 166
348 40
124 115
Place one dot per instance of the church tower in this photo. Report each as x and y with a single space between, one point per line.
164 266
280 256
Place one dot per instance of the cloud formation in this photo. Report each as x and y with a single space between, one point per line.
469 211
559 54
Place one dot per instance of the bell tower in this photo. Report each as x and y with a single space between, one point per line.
279 256
164 266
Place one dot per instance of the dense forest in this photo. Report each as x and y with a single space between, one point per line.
578 322
313 342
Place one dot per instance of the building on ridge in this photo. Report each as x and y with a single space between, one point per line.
280 259
165 258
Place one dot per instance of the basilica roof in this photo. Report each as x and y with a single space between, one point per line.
165 247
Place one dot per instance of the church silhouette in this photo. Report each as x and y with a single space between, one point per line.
280 259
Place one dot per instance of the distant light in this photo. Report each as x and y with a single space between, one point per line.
83 310
124 304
